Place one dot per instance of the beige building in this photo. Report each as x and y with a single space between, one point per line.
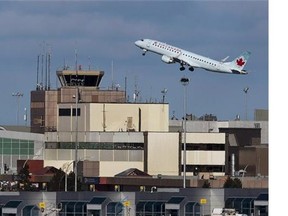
116 134
157 153
113 117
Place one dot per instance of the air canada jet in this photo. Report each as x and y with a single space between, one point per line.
171 54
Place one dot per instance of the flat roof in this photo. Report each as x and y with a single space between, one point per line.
80 72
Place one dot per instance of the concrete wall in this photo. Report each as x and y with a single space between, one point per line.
205 138
205 157
213 126
163 153
116 117
110 169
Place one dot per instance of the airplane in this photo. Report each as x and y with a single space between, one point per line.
171 54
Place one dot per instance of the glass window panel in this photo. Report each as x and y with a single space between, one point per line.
7 145
31 151
31 144
15 144
5 140
24 151
7 151
23 144
15 151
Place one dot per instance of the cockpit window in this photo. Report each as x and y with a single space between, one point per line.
142 39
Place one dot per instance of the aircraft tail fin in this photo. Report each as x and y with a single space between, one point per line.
238 63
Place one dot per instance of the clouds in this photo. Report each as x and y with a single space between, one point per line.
105 31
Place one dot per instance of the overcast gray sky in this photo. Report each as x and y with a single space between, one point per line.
105 32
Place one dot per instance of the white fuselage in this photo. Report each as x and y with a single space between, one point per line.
175 54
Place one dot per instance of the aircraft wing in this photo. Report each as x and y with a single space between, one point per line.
188 62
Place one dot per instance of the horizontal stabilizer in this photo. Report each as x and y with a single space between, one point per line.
225 59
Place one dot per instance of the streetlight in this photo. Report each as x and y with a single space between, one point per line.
164 92
184 81
76 137
18 95
65 169
246 92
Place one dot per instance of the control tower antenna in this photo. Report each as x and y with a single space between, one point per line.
46 65
112 74
49 69
136 91
42 70
76 63
37 83
46 71
125 88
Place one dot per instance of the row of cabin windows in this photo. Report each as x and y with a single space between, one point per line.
199 59
173 50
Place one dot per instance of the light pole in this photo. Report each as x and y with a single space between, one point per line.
66 167
246 92
164 92
76 138
184 81
18 95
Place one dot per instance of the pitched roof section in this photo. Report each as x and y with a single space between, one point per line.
132 172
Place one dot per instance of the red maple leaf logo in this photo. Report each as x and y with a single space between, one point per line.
240 62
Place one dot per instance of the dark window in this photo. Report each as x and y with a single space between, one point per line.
64 112
78 112
204 168
96 145
204 147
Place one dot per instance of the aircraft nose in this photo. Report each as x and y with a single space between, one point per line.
139 43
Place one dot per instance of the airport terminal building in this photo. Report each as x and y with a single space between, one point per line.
118 135
130 149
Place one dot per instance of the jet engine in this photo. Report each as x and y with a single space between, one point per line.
167 59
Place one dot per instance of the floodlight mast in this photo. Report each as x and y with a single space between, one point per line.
164 92
184 81
246 92
18 95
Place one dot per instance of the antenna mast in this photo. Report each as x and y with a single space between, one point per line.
37 84
76 63
112 74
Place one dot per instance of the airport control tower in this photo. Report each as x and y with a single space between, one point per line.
44 101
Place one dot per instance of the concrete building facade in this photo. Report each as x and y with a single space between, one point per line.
153 152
